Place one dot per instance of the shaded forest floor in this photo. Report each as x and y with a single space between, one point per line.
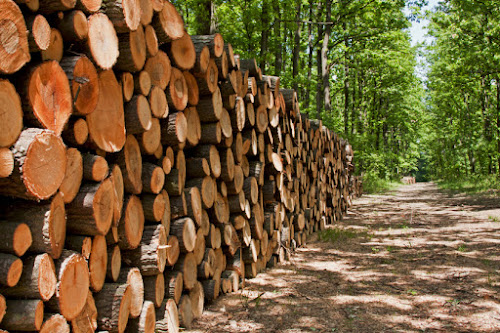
416 260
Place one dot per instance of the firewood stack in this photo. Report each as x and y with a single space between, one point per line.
143 171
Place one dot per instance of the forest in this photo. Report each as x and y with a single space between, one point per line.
427 110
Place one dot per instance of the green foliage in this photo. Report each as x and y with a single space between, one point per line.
471 184
336 235
373 184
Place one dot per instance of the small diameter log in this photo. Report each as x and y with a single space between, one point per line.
168 24
199 246
211 153
130 162
80 244
208 79
114 262
174 282
107 123
32 177
153 178
185 231
187 265
23 315
185 312
206 267
210 107
174 129
39 33
131 224
142 83
213 239
193 92
193 204
227 165
11 268
16 238
116 178
132 50
150 140
137 115
167 317
76 132
95 167
54 323
98 263
14 51
74 26
165 219
47 223
177 92
73 176
182 52
11 114
146 321
173 250
230 238
211 289
86 321
159 69
56 48
151 41
72 286
113 307
132 277
197 297
153 206
197 167
125 14
206 188
91 212
158 102
154 289
127 83
6 162
150 256
214 42
194 126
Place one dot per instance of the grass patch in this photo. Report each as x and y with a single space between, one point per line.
377 185
471 184
336 235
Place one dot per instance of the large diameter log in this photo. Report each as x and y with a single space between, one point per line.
11 268
14 52
150 256
33 177
23 315
132 276
167 317
48 93
131 224
168 24
132 46
91 212
107 122
72 286
185 231
182 52
146 321
159 69
11 114
47 222
130 162
84 82
113 307
86 321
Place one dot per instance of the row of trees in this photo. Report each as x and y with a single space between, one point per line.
462 135
350 60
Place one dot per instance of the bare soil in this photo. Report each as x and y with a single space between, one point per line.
416 260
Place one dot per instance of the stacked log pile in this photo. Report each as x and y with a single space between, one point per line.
143 171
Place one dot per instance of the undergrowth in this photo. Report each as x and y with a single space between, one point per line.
372 184
336 235
471 184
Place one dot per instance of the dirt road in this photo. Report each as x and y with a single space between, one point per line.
416 260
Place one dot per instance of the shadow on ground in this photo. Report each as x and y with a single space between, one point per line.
420 261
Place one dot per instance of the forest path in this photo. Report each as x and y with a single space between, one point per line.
416 260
